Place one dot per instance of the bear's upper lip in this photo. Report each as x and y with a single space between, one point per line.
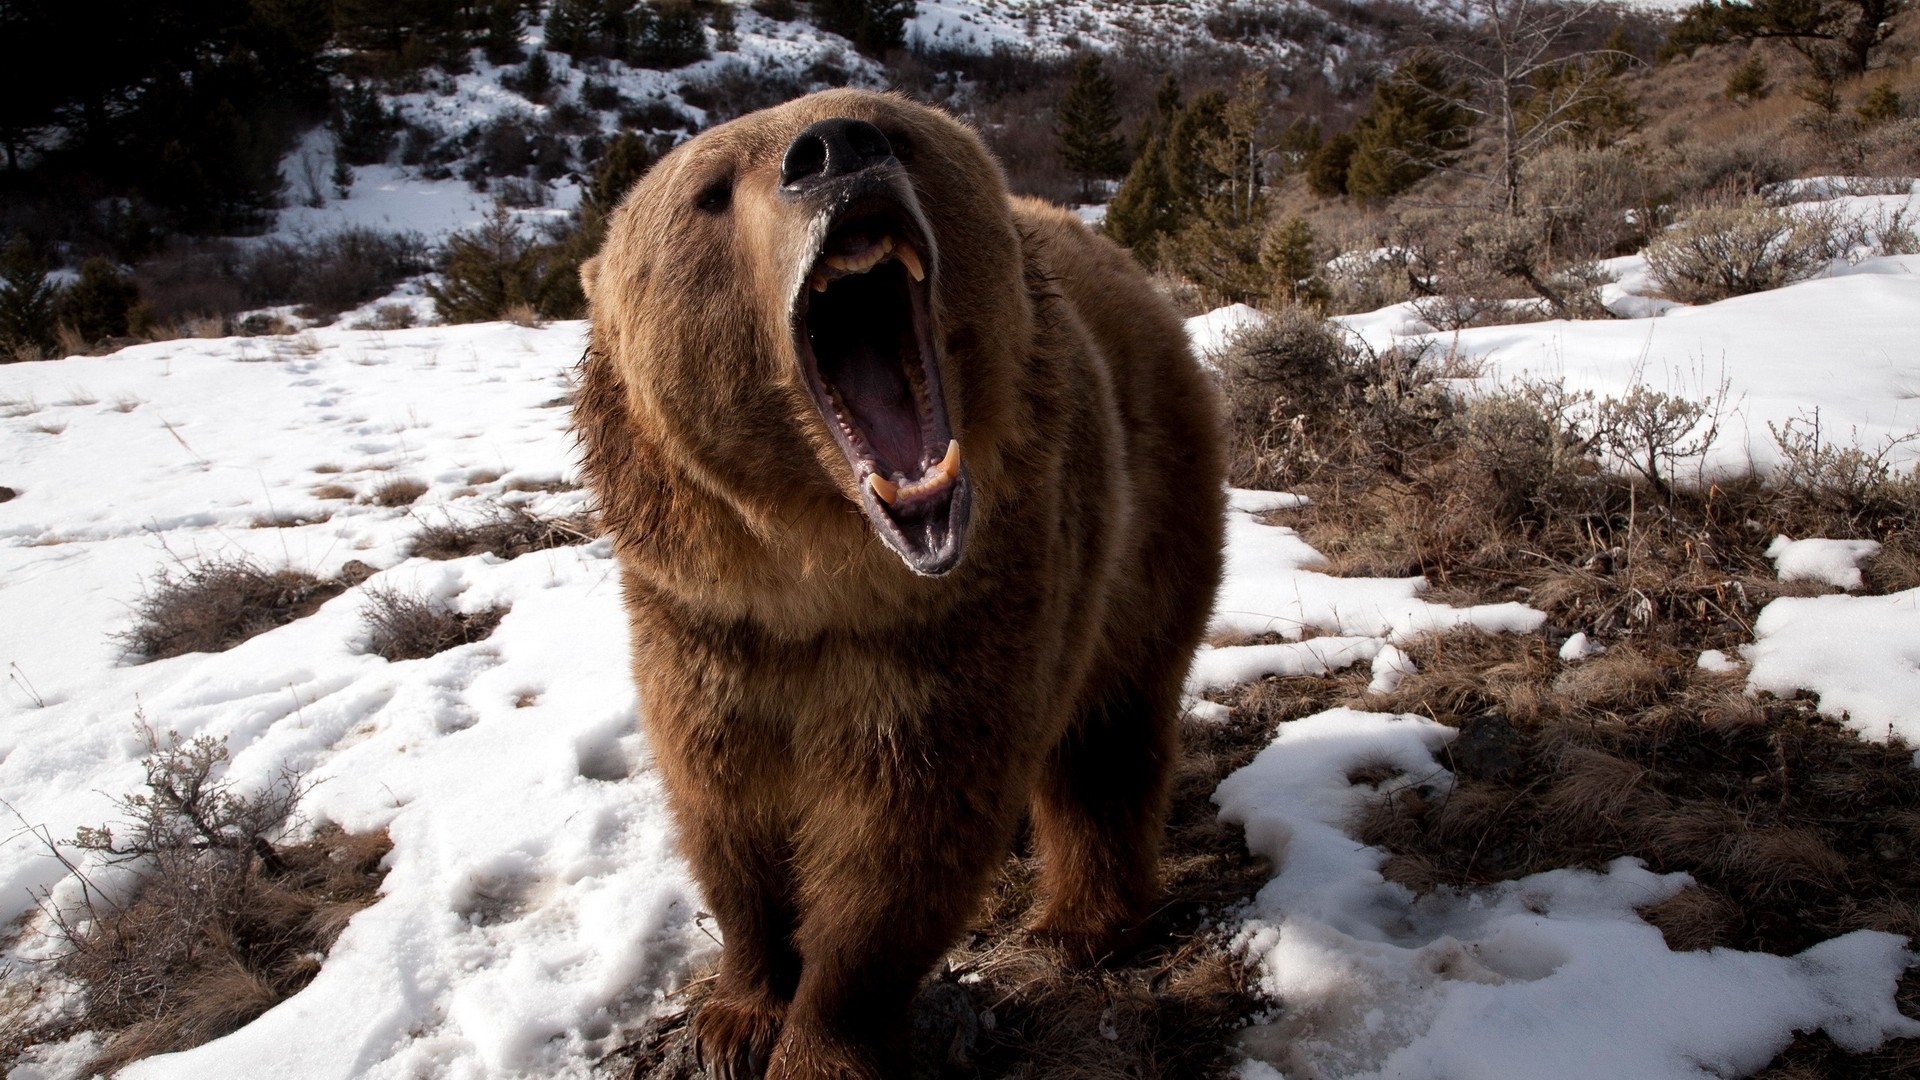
862 331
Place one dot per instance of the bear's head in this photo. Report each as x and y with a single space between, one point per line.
820 304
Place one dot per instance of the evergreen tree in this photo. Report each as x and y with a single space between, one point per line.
1412 128
874 26
97 305
1837 34
504 21
1087 118
726 34
492 270
1882 103
1142 210
26 302
667 34
1327 166
1748 83
626 160
1290 253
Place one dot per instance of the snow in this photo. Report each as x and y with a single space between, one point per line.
1859 654
1838 346
1553 975
1834 562
534 899
1579 647
1213 332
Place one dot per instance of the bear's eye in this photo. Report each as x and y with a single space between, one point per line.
716 196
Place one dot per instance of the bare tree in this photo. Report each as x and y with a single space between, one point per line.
1515 69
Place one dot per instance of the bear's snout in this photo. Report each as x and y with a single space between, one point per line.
831 148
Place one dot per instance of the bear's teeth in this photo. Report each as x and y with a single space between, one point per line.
883 487
910 259
819 281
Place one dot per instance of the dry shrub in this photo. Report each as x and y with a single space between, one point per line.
406 626
226 920
217 604
1725 251
400 491
1303 396
508 532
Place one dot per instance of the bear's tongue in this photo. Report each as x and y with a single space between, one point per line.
873 387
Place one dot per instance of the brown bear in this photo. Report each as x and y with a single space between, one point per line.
916 494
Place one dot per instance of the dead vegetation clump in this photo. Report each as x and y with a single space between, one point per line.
408 626
1005 1006
226 919
400 491
1794 829
508 532
216 604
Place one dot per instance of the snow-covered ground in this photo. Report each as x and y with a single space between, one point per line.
1842 343
536 909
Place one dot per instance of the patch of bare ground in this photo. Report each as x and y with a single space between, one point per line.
508 532
1003 1005
227 918
1794 829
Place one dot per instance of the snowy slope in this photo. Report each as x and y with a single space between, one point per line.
535 907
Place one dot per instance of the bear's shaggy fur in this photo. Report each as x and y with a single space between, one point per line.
854 689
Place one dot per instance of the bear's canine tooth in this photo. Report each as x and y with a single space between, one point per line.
950 465
910 259
819 281
883 487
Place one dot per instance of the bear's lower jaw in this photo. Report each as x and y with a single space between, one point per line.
862 335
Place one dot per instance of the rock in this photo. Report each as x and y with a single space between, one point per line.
1489 748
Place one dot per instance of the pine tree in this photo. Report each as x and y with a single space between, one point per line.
97 305
1327 167
668 34
1088 116
626 160
1882 103
1412 128
874 26
1290 253
1748 83
26 302
504 22
726 33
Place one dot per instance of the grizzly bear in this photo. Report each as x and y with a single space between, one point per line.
916 492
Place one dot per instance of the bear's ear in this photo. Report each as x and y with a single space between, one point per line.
589 276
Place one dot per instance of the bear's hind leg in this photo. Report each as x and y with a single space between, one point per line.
1097 818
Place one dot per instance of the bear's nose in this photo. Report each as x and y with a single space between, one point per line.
833 148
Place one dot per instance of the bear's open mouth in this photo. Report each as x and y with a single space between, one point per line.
861 328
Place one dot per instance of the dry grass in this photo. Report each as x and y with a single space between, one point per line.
216 604
332 491
1003 1006
399 491
406 626
508 532
1794 829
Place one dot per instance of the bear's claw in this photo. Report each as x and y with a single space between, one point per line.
733 1038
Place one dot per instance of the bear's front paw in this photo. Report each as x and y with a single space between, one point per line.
734 1036
805 1054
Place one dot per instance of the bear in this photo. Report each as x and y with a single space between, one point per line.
916 494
